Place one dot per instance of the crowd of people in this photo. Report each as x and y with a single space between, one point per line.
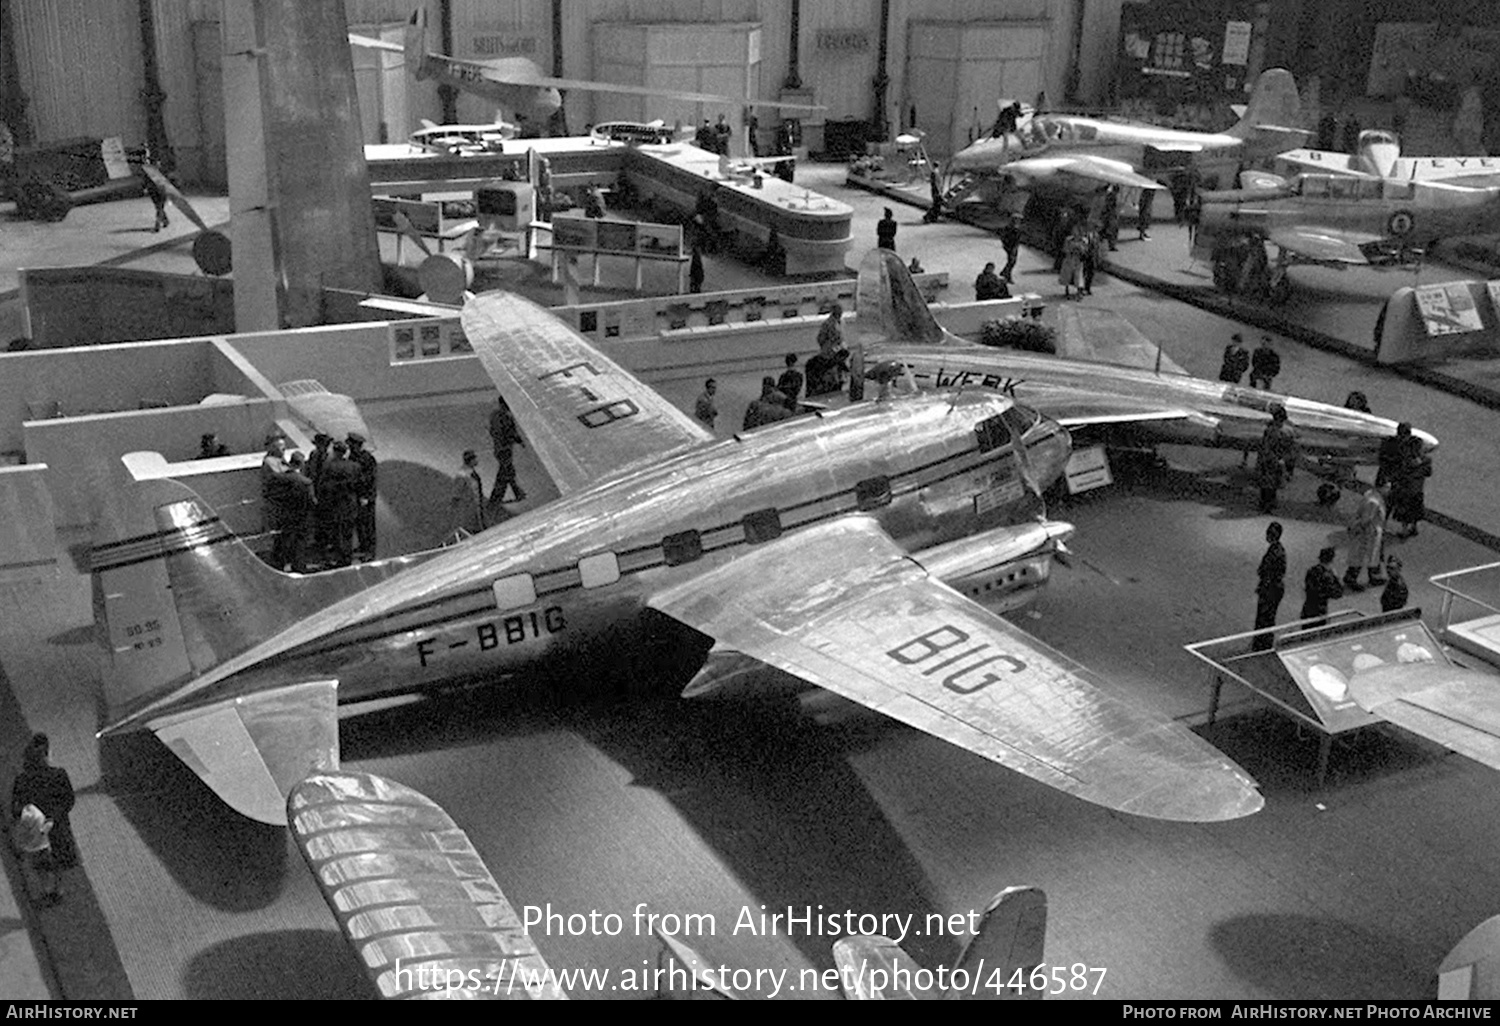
319 507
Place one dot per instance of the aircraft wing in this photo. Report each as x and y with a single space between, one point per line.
843 607
1077 407
1100 169
506 73
1319 244
370 43
583 415
1457 708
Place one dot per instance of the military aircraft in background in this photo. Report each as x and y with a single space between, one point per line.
1332 220
838 549
1378 155
1071 152
517 85
1110 381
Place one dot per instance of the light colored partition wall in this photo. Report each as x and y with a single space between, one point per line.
28 539
42 384
353 360
79 451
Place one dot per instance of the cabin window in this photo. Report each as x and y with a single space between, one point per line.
588 321
762 526
684 547
873 493
1369 188
598 570
1400 191
1343 188
1317 188
992 433
514 592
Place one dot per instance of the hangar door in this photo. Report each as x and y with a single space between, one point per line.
697 57
956 73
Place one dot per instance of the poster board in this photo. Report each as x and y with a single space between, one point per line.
1448 308
428 338
1087 469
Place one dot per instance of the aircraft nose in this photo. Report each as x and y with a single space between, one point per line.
1429 442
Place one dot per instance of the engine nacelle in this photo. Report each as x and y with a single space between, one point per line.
1001 568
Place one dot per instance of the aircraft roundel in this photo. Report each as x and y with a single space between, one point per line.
1401 222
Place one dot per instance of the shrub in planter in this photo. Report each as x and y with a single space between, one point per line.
1019 333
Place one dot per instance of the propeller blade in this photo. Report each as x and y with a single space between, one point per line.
409 230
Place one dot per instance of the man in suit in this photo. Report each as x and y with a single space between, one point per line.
1270 587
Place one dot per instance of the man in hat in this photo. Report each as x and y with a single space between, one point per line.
468 496
339 495
316 461
273 498
505 433
364 519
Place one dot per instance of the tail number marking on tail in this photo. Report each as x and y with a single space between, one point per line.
141 636
511 630
934 645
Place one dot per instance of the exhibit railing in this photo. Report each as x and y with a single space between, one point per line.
1477 586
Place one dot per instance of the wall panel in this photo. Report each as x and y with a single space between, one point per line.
80 64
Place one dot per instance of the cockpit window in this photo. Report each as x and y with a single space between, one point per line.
1315 186
1021 419
1369 188
1343 188
1399 190
992 433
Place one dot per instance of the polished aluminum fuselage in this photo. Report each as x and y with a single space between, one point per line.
1224 415
561 579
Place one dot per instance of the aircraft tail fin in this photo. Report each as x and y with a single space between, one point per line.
1273 113
888 305
178 591
1011 937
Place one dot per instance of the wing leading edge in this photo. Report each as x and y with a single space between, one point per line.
844 608
584 415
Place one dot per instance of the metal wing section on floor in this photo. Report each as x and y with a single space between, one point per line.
584 415
844 608
1456 707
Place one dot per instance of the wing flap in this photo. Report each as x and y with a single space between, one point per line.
583 415
842 607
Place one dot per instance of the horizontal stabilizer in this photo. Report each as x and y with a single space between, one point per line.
253 750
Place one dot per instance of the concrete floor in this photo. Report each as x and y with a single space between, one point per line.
589 801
